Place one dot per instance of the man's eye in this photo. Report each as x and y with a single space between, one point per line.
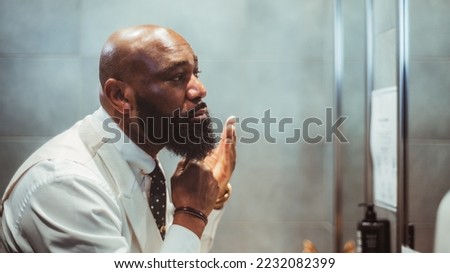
197 73
178 77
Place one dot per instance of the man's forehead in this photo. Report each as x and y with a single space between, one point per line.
171 57
172 64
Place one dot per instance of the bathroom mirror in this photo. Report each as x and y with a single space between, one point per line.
370 61
384 114
408 48
373 51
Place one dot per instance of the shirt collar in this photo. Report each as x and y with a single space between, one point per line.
137 159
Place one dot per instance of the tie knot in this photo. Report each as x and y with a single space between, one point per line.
157 174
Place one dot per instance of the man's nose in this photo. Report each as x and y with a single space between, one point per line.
196 89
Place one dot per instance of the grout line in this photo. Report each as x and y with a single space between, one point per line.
24 138
426 59
74 55
435 141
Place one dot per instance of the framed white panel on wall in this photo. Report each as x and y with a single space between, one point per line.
383 146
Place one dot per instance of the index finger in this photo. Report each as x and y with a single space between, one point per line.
229 131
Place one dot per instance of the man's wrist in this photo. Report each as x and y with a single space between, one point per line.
191 222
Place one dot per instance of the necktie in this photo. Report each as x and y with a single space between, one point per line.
157 198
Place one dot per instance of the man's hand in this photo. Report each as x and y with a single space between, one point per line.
204 185
223 160
194 186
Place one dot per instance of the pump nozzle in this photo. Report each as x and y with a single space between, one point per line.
370 212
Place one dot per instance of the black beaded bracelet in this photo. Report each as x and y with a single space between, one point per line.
193 212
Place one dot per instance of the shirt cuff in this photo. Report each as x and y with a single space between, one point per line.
179 239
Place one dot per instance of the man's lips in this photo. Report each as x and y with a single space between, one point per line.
200 111
201 114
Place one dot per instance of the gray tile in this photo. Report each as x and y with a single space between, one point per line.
40 96
353 180
281 183
278 30
89 94
210 31
292 89
385 15
353 100
428 174
349 231
12 155
229 238
428 100
95 31
296 90
205 21
271 237
424 237
259 29
429 34
354 29
226 89
45 26
385 60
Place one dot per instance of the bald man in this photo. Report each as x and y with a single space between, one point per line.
99 187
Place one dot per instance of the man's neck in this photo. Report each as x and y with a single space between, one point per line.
138 137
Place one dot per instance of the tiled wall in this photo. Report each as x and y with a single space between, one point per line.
429 115
254 55
385 27
353 99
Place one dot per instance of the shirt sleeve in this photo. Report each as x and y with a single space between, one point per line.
210 230
180 239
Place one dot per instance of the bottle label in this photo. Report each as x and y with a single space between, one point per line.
372 242
358 242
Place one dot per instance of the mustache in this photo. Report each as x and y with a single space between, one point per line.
191 112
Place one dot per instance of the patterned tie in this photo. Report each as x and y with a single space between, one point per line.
157 198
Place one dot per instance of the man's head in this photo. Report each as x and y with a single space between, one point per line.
149 78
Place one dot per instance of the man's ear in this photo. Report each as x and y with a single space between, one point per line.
117 95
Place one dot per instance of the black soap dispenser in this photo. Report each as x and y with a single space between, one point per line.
373 235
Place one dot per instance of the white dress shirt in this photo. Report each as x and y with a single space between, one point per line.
33 211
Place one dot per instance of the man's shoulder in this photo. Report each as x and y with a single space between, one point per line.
67 146
70 144
54 169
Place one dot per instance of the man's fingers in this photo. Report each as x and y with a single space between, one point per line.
184 162
229 132
231 139
224 198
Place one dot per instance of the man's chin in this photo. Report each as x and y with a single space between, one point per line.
192 151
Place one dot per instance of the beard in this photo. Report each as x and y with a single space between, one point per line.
179 133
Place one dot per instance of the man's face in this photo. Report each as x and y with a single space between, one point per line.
168 99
